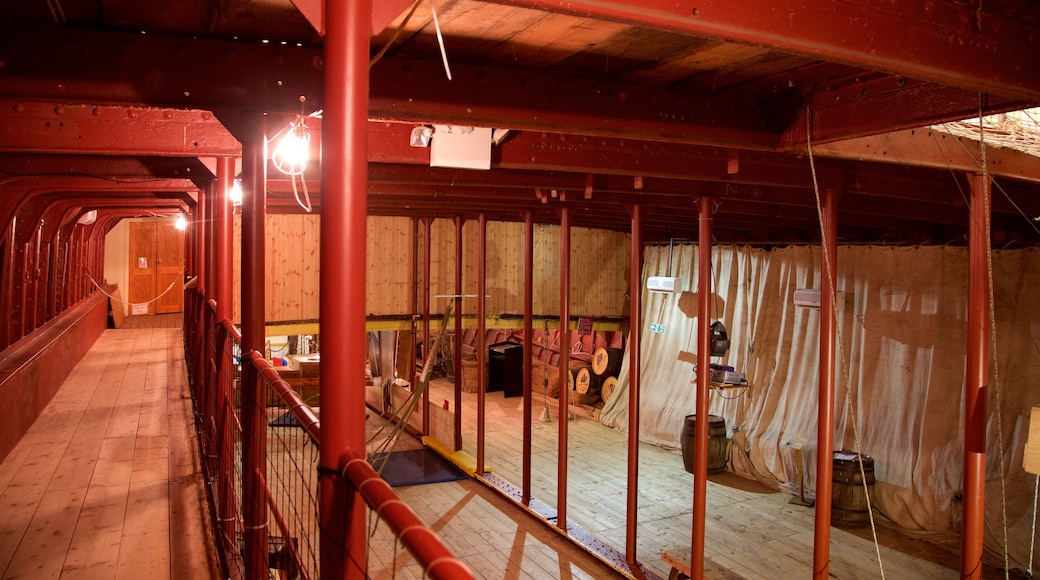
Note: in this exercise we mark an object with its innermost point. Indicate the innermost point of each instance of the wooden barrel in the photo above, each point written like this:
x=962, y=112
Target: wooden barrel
x=586, y=386
x=606, y=391
x=586, y=382
x=848, y=494
x=606, y=361
x=718, y=445
x=572, y=374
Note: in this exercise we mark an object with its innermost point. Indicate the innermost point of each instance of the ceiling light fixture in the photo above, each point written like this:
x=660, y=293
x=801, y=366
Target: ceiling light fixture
x=421, y=136
x=292, y=152
x=235, y=193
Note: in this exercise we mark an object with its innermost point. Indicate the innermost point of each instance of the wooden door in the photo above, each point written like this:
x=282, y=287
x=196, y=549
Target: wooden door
x=156, y=260
x=169, y=259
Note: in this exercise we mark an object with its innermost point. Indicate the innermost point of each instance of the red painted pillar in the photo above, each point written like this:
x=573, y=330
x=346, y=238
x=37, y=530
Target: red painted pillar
x=254, y=423
x=457, y=357
x=976, y=380
x=481, y=336
x=427, y=343
x=700, y=470
x=525, y=491
x=565, y=362
x=223, y=238
x=825, y=421
x=221, y=290
x=344, y=173
x=635, y=325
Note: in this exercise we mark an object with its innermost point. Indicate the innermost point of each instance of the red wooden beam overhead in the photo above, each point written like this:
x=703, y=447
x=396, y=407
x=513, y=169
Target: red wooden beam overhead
x=967, y=46
x=69, y=65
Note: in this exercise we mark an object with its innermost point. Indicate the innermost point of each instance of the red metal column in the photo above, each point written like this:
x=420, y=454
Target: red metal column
x=7, y=277
x=254, y=423
x=413, y=301
x=481, y=336
x=223, y=242
x=221, y=290
x=635, y=321
x=457, y=357
x=700, y=470
x=203, y=224
x=525, y=491
x=976, y=381
x=344, y=175
x=825, y=422
x=427, y=343
x=565, y=363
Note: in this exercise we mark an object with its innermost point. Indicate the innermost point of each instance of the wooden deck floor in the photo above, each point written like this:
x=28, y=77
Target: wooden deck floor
x=752, y=531
x=106, y=483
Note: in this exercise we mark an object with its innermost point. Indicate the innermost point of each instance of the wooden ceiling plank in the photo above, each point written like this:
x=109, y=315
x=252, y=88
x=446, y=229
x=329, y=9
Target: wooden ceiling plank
x=962, y=46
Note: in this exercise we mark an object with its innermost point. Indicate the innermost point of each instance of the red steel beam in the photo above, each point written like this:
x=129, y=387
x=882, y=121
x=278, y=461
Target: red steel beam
x=254, y=423
x=224, y=245
x=525, y=455
x=457, y=350
x=825, y=422
x=427, y=341
x=975, y=48
x=481, y=335
x=344, y=542
x=112, y=130
x=49, y=63
x=976, y=381
x=565, y=361
x=635, y=322
x=700, y=469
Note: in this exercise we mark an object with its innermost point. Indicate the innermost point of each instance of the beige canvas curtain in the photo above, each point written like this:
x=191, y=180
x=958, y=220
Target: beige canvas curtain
x=901, y=366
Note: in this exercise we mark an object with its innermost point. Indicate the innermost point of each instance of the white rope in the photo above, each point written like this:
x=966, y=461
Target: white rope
x=102, y=290
x=993, y=335
x=841, y=346
x=440, y=39
x=1032, y=530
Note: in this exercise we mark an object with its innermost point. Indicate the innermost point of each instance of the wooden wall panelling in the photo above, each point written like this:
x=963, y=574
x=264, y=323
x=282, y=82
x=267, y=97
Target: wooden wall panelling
x=599, y=272
x=291, y=279
x=546, y=297
x=389, y=264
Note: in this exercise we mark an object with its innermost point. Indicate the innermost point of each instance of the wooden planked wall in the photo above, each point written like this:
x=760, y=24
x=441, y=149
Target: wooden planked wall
x=599, y=267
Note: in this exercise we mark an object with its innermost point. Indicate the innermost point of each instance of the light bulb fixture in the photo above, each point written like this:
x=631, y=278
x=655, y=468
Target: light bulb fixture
x=421, y=136
x=235, y=193
x=292, y=152
x=291, y=155
x=181, y=224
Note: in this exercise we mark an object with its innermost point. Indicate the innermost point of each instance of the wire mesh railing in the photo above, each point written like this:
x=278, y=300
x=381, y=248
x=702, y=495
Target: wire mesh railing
x=286, y=477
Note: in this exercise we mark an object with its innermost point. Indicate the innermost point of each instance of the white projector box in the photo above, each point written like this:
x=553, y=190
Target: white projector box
x=662, y=284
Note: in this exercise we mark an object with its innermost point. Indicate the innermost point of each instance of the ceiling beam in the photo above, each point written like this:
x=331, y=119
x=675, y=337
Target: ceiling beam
x=935, y=149
x=28, y=126
x=78, y=66
x=960, y=45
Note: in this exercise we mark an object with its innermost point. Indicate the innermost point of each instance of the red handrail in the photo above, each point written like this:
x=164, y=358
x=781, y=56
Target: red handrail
x=301, y=410
x=437, y=561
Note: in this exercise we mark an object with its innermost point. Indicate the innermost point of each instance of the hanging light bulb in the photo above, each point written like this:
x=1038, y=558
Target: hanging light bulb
x=235, y=194
x=181, y=223
x=291, y=155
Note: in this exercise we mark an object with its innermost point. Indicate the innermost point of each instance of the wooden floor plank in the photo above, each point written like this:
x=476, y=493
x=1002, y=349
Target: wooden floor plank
x=96, y=485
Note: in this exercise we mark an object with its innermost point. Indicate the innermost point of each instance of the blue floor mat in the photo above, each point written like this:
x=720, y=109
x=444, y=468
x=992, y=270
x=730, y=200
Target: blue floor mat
x=414, y=467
